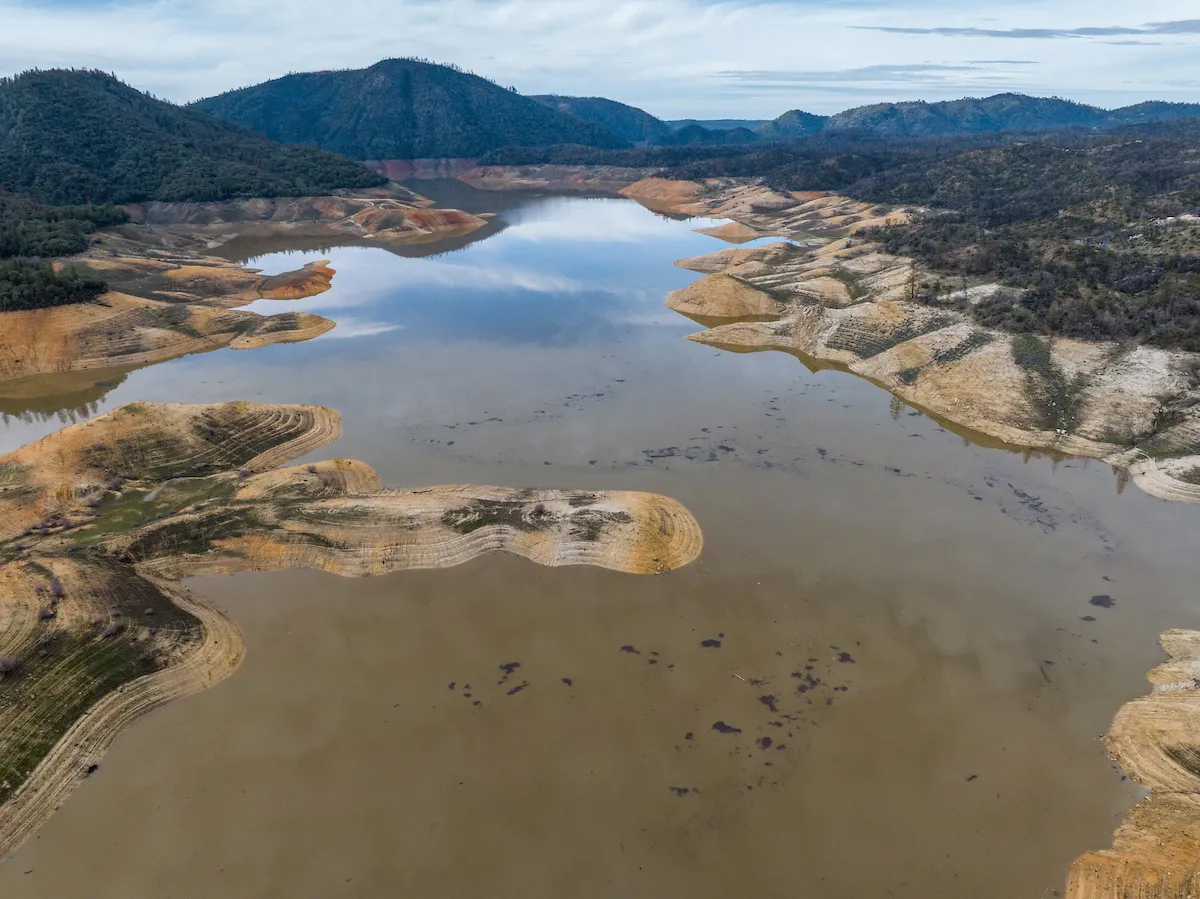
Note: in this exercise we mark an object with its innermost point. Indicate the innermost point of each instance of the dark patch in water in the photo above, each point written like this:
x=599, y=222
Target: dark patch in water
x=1103, y=600
x=764, y=742
x=628, y=648
x=845, y=657
x=567, y=681
x=769, y=701
x=723, y=728
x=680, y=791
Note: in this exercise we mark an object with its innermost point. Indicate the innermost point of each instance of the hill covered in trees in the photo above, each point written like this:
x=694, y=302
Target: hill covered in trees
x=73, y=143
x=793, y=124
x=401, y=109
x=1094, y=235
x=1001, y=112
x=30, y=233
x=70, y=137
x=636, y=126
x=1091, y=234
x=1097, y=234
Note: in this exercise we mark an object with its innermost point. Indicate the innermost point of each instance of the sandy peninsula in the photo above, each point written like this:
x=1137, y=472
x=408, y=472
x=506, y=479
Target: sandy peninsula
x=169, y=295
x=99, y=521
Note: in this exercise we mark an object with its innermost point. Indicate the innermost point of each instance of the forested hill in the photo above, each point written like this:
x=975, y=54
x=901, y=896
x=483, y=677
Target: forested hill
x=627, y=122
x=73, y=136
x=402, y=109
x=1002, y=112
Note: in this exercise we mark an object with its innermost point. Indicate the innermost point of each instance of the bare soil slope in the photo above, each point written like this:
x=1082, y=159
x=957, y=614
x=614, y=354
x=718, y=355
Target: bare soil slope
x=836, y=297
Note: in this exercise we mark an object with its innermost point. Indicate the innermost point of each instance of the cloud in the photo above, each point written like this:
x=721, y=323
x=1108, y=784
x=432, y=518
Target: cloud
x=1182, y=26
x=670, y=57
x=917, y=73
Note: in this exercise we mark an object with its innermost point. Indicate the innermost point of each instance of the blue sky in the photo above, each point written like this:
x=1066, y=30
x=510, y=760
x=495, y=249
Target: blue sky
x=675, y=58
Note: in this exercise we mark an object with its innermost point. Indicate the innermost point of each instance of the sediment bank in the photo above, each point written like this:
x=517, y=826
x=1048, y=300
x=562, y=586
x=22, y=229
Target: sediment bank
x=1156, y=741
x=168, y=296
x=829, y=293
x=100, y=520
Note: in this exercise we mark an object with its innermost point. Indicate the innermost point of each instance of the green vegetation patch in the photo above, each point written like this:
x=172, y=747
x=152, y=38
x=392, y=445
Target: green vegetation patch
x=156, y=455
x=192, y=534
x=851, y=280
x=868, y=342
x=589, y=524
x=487, y=512
x=1056, y=397
x=62, y=675
x=128, y=510
x=1187, y=757
x=973, y=341
x=34, y=284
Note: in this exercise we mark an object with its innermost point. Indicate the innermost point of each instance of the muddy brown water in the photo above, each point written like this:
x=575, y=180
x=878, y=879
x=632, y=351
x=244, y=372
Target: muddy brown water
x=911, y=675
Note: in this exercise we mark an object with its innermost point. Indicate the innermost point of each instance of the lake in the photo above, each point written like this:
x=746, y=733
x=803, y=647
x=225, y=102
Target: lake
x=885, y=676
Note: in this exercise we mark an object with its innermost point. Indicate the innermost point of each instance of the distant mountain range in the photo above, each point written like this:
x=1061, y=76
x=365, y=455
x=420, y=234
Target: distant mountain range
x=1002, y=112
x=410, y=109
x=402, y=109
x=718, y=124
x=72, y=136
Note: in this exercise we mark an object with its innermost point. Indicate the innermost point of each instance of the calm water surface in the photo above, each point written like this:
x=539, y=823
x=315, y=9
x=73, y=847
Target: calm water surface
x=910, y=677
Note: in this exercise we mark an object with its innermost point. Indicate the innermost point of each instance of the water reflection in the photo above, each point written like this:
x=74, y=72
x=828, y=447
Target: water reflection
x=836, y=517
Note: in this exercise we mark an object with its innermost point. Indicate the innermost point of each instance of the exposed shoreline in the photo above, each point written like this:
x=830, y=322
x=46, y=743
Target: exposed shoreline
x=169, y=296
x=831, y=295
x=1155, y=739
x=100, y=521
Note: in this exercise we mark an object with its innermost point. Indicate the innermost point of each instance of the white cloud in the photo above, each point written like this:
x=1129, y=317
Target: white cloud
x=664, y=55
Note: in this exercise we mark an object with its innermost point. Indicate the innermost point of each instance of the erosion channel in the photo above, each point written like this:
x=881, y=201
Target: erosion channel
x=887, y=674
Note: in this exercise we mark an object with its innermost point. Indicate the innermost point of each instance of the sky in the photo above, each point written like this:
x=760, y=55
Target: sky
x=674, y=58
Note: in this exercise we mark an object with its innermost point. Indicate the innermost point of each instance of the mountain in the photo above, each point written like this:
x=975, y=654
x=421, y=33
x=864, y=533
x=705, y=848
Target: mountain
x=796, y=123
x=718, y=124
x=1002, y=112
x=401, y=109
x=72, y=136
x=696, y=136
x=627, y=122
x=1154, y=111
